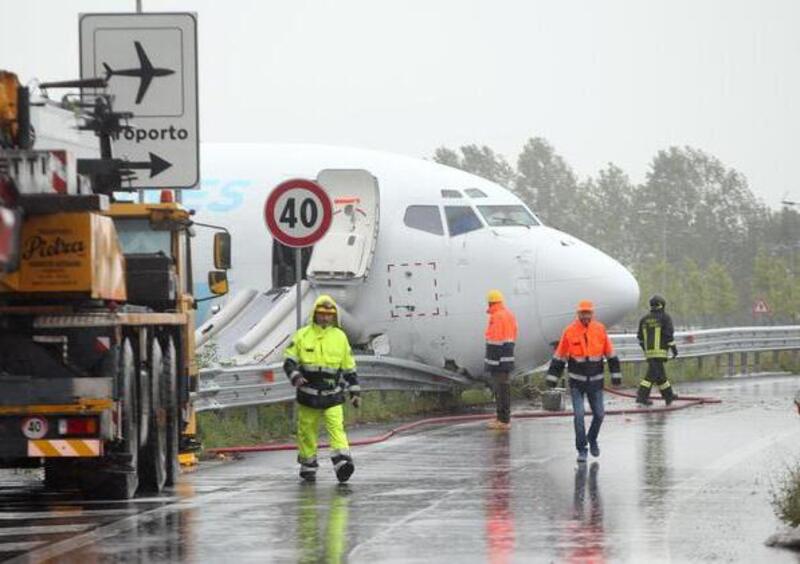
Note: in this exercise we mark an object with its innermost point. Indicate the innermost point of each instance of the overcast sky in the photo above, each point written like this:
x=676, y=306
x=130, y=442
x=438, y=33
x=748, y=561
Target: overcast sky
x=602, y=80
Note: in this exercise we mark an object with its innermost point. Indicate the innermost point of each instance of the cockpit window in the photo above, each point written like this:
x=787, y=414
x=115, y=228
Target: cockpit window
x=475, y=193
x=424, y=218
x=451, y=194
x=461, y=219
x=497, y=216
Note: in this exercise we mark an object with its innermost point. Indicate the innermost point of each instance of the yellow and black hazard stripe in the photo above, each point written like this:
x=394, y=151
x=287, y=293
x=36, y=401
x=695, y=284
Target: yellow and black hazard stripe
x=65, y=448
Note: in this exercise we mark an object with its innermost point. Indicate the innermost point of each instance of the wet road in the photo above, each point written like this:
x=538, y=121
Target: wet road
x=693, y=485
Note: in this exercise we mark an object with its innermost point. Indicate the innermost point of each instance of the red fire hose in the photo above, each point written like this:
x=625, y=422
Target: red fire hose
x=682, y=403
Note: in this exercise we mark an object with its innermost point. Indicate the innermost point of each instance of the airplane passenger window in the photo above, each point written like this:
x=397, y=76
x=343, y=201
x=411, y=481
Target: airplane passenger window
x=451, y=194
x=424, y=218
x=475, y=193
x=497, y=216
x=461, y=219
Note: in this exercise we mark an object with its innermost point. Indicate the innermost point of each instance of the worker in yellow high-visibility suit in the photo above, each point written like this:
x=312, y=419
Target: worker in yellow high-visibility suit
x=320, y=364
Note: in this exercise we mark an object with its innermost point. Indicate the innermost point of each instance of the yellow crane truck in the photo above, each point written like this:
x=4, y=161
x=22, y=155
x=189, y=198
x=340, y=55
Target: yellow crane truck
x=96, y=306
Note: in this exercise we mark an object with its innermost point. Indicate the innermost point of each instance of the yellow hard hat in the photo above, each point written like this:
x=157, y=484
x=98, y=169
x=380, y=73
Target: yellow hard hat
x=494, y=296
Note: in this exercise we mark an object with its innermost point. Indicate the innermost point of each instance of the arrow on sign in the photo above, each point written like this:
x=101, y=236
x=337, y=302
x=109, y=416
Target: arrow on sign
x=156, y=164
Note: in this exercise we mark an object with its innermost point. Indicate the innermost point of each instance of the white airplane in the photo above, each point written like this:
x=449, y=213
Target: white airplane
x=411, y=253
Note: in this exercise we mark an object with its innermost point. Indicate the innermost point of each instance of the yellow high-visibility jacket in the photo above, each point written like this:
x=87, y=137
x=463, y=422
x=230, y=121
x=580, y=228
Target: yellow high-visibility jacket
x=322, y=356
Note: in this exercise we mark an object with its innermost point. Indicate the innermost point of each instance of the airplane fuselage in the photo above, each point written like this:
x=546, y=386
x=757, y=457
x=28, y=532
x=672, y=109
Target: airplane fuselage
x=438, y=250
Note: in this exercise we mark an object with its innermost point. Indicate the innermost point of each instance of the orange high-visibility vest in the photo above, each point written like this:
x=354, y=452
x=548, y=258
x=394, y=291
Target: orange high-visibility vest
x=501, y=334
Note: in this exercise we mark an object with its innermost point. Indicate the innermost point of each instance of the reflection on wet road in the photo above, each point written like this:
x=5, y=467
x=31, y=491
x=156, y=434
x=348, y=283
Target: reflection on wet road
x=688, y=486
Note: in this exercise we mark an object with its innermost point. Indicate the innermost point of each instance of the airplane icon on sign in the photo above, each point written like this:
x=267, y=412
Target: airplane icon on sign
x=145, y=72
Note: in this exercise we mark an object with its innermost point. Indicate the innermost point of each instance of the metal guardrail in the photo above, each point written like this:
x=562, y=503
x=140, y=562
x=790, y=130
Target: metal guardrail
x=243, y=386
x=712, y=342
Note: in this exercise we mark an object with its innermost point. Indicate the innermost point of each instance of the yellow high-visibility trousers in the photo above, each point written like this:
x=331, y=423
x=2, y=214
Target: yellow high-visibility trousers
x=308, y=419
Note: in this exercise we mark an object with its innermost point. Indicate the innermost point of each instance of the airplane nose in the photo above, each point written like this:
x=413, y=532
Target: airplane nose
x=569, y=270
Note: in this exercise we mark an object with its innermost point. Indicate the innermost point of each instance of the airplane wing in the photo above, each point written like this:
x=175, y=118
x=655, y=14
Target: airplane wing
x=144, y=62
x=144, y=83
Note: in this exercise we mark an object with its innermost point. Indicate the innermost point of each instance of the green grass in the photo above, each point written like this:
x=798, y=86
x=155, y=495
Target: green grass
x=786, y=497
x=272, y=423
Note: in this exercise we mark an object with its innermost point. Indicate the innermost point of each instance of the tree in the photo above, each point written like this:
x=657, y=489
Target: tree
x=548, y=185
x=722, y=299
x=480, y=161
x=610, y=196
x=695, y=293
x=448, y=157
x=773, y=282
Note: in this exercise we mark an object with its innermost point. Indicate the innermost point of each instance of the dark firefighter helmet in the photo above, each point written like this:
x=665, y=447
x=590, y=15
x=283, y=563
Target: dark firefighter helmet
x=657, y=302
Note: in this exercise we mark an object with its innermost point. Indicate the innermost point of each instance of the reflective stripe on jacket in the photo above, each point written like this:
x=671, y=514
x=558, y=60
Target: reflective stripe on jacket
x=656, y=334
x=582, y=349
x=501, y=334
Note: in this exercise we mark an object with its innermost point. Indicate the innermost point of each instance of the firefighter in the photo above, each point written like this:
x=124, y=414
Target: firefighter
x=581, y=349
x=501, y=334
x=656, y=336
x=319, y=363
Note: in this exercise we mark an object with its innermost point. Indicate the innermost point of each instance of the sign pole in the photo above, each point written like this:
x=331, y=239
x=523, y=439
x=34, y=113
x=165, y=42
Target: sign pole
x=298, y=265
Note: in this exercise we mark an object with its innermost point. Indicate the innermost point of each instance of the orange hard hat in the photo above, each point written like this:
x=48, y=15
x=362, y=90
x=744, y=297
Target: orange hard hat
x=585, y=305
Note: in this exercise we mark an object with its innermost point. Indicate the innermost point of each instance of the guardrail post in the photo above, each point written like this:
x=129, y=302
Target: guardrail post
x=757, y=361
x=743, y=364
x=718, y=365
x=776, y=360
x=291, y=414
x=252, y=418
x=731, y=364
x=700, y=366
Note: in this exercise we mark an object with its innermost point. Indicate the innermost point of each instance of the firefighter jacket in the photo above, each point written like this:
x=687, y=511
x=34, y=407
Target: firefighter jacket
x=322, y=356
x=581, y=349
x=501, y=334
x=656, y=334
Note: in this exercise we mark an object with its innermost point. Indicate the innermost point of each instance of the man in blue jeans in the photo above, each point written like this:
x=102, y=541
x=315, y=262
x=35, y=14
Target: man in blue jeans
x=582, y=347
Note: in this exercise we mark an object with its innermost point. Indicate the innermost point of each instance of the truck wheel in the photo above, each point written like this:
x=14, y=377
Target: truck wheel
x=172, y=406
x=153, y=455
x=144, y=391
x=115, y=476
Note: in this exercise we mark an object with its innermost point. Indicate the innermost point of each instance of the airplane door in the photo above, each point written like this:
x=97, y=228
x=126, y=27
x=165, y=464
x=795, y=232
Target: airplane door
x=414, y=290
x=345, y=253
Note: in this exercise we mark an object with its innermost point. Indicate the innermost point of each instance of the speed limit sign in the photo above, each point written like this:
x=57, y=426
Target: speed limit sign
x=34, y=427
x=298, y=212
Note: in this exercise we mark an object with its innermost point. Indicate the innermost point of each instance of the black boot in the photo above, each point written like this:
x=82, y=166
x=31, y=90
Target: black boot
x=343, y=466
x=643, y=395
x=308, y=470
x=668, y=394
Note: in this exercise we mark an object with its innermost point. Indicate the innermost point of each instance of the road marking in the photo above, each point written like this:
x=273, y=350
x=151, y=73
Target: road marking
x=708, y=474
x=44, y=529
x=19, y=546
x=57, y=549
x=63, y=514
